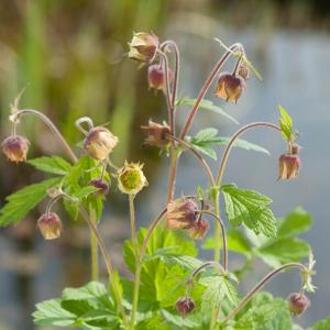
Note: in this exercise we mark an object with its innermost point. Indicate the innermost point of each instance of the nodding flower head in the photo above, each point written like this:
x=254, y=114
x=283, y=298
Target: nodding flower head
x=50, y=226
x=156, y=76
x=182, y=213
x=143, y=47
x=157, y=134
x=298, y=303
x=100, y=142
x=131, y=178
x=199, y=229
x=101, y=186
x=289, y=164
x=15, y=148
x=230, y=87
x=185, y=305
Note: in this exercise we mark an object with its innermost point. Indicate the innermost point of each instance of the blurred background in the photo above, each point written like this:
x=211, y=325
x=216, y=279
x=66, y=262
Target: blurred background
x=71, y=57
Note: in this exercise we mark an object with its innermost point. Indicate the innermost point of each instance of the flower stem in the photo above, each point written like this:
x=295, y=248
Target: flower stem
x=94, y=248
x=18, y=113
x=132, y=222
x=175, y=155
x=199, y=157
x=232, y=140
x=206, y=86
x=139, y=264
x=262, y=282
x=223, y=236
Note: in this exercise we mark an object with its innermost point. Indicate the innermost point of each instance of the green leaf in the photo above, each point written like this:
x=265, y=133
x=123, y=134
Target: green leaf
x=218, y=288
x=53, y=165
x=284, y=251
x=50, y=312
x=265, y=312
x=205, y=140
x=286, y=124
x=322, y=325
x=179, y=321
x=207, y=105
x=295, y=223
x=21, y=202
x=251, y=208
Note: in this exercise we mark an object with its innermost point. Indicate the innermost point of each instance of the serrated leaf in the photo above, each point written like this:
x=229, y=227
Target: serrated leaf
x=218, y=287
x=265, y=312
x=21, y=202
x=251, y=208
x=205, y=140
x=179, y=321
x=207, y=105
x=286, y=123
x=50, y=312
x=52, y=164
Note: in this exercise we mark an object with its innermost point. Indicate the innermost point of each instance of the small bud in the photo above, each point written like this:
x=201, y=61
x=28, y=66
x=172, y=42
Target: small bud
x=230, y=87
x=100, y=142
x=244, y=71
x=143, y=47
x=131, y=179
x=157, y=134
x=199, y=229
x=289, y=164
x=182, y=213
x=298, y=303
x=156, y=76
x=185, y=305
x=50, y=226
x=102, y=186
x=15, y=148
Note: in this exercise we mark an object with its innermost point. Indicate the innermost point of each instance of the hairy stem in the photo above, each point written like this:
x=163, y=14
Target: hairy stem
x=172, y=173
x=199, y=157
x=262, y=282
x=206, y=86
x=18, y=113
x=94, y=248
x=232, y=140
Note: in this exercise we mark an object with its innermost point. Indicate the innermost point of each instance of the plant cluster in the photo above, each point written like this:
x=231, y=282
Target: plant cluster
x=170, y=287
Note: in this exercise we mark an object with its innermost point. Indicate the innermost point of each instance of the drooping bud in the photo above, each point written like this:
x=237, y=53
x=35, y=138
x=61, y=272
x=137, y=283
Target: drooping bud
x=199, y=229
x=182, y=213
x=50, y=226
x=156, y=76
x=230, y=87
x=185, y=305
x=143, y=47
x=15, y=148
x=289, y=164
x=131, y=179
x=157, y=134
x=100, y=142
x=102, y=186
x=298, y=303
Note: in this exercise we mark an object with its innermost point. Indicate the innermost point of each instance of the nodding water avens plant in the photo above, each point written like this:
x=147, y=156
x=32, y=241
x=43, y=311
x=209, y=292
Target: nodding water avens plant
x=170, y=287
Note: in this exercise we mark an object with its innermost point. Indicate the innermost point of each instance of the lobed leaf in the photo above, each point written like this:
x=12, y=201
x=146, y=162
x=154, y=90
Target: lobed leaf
x=52, y=164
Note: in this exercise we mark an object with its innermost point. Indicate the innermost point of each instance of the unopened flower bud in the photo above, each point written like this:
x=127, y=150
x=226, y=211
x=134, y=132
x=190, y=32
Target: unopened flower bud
x=131, y=179
x=199, y=229
x=157, y=134
x=102, y=186
x=244, y=71
x=156, y=76
x=230, y=87
x=15, y=148
x=100, y=142
x=289, y=164
x=182, y=213
x=50, y=226
x=298, y=303
x=143, y=47
x=185, y=305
